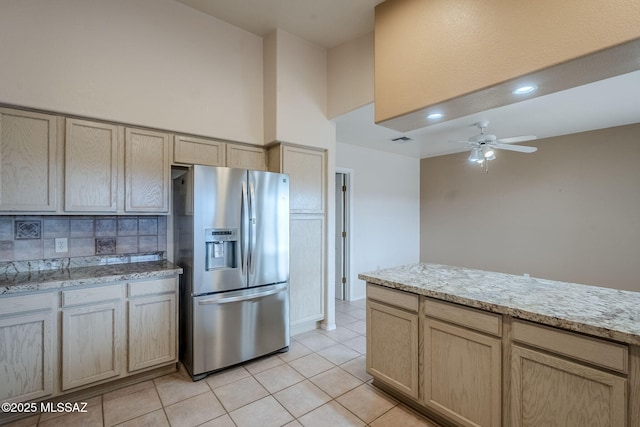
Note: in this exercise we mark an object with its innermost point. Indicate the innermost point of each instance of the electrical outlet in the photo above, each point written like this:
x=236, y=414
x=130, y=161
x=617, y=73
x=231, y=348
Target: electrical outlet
x=61, y=244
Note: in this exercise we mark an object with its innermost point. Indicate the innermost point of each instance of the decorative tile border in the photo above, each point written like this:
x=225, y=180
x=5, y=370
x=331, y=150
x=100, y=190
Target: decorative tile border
x=105, y=246
x=28, y=229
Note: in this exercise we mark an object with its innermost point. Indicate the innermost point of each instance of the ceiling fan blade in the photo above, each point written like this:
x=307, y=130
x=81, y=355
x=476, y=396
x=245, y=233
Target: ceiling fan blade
x=518, y=148
x=515, y=139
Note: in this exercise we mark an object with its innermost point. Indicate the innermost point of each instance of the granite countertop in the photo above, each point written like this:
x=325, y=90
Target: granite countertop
x=603, y=312
x=16, y=282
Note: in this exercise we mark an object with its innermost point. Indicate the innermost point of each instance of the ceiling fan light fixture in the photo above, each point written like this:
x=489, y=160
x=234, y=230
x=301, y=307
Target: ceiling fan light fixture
x=525, y=89
x=489, y=153
x=476, y=155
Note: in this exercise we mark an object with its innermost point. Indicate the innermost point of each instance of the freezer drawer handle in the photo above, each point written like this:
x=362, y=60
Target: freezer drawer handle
x=242, y=297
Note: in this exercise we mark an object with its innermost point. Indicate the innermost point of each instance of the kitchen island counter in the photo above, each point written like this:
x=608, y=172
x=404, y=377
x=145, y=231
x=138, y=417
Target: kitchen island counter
x=602, y=312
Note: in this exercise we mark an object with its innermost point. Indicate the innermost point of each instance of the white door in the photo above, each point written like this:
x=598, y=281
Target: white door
x=341, y=235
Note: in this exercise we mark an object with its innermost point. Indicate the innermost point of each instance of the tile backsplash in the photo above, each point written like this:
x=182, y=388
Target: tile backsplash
x=33, y=237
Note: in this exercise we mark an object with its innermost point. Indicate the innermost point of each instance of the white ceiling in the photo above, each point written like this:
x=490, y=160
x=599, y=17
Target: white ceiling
x=328, y=23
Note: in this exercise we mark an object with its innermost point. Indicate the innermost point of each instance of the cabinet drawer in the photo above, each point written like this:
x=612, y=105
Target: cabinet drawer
x=25, y=303
x=152, y=287
x=592, y=350
x=91, y=295
x=393, y=297
x=482, y=321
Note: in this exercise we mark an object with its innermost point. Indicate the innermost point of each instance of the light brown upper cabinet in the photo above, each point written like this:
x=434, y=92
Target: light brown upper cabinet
x=246, y=157
x=91, y=167
x=28, y=161
x=198, y=151
x=147, y=171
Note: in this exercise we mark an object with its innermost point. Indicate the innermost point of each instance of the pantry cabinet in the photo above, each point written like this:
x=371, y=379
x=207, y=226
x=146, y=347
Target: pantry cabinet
x=307, y=177
x=28, y=340
x=28, y=161
x=306, y=167
x=306, y=269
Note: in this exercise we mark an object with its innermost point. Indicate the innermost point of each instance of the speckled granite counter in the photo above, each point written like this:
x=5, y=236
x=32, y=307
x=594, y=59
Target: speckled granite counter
x=602, y=312
x=16, y=282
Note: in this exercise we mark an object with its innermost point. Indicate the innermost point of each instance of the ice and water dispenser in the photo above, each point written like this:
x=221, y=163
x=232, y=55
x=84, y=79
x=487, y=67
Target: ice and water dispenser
x=220, y=248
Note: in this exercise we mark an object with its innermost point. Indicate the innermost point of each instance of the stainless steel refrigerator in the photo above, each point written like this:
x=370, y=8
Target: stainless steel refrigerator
x=232, y=241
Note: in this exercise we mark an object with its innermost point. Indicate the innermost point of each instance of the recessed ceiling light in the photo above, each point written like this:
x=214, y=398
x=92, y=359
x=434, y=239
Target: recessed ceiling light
x=525, y=89
x=435, y=116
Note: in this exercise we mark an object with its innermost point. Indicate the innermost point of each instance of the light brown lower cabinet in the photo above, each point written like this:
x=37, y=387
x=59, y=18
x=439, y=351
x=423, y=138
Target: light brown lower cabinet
x=470, y=366
x=27, y=347
x=554, y=392
x=462, y=374
x=392, y=346
x=93, y=331
x=98, y=329
x=152, y=325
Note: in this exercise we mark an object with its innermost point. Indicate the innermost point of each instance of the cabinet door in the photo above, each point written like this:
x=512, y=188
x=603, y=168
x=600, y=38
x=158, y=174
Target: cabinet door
x=28, y=164
x=147, y=171
x=462, y=374
x=152, y=331
x=306, y=170
x=306, y=269
x=554, y=392
x=91, y=167
x=245, y=157
x=392, y=347
x=26, y=355
x=198, y=151
x=91, y=343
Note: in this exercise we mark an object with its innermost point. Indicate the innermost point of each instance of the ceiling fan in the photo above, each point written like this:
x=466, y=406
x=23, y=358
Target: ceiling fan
x=483, y=146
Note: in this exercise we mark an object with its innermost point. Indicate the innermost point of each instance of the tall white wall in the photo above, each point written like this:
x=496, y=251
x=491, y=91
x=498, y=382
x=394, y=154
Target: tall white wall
x=300, y=91
x=155, y=63
x=350, y=74
x=385, y=195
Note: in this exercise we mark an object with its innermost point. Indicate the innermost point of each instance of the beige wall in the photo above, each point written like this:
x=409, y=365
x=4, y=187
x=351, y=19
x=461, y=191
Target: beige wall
x=350, y=76
x=430, y=51
x=569, y=212
x=155, y=63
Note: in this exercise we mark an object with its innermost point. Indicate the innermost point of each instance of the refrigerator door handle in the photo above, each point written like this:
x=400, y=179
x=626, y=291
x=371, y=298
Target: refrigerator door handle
x=252, y=222
x=245, y=297
x=244, y=228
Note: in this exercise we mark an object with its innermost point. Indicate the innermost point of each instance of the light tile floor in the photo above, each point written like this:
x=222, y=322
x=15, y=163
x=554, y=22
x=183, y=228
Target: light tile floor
x=320, y=382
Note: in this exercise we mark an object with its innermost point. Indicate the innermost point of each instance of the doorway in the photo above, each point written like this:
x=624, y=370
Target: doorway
x=343, y=233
